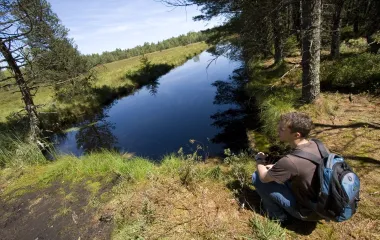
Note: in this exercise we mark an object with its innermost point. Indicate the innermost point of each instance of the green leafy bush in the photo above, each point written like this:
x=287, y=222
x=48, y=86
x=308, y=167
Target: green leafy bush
x=355, y=73
x=241, y=165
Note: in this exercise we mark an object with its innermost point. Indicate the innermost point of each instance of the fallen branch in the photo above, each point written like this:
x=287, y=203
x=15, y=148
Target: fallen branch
x=294, y=67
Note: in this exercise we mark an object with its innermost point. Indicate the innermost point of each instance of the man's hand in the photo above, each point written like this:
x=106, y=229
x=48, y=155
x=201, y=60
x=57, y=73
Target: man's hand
x=269, y=166
x=262, y=168
x=260, y=157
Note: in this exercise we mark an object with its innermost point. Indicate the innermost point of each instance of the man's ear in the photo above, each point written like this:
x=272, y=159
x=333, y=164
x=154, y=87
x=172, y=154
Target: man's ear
x=297, y=135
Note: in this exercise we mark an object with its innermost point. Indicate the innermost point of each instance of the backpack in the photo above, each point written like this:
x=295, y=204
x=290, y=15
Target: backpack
x=339, y=186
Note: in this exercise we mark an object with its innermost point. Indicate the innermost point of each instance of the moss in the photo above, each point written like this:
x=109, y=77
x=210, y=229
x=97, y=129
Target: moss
x=93, y=187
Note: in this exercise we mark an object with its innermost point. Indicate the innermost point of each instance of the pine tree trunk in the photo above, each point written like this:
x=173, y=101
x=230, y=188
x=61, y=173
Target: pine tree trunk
x=278, y=26
x=311, y=44
x=34, y=121
x=296, y=16
x=356, y=27
x=336, y=25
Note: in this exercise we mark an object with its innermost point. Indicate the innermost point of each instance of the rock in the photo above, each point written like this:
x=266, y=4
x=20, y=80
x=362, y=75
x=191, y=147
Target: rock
x=106, y=217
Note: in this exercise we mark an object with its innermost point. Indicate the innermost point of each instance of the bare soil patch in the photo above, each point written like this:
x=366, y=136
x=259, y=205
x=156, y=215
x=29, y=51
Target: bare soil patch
x=61, y=211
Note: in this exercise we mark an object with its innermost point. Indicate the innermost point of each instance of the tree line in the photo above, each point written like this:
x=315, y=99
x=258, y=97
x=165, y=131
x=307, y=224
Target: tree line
x=260, y=29
x=119, y=54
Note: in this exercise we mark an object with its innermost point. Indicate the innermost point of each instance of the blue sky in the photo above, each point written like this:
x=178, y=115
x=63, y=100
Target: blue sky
x=98, y=26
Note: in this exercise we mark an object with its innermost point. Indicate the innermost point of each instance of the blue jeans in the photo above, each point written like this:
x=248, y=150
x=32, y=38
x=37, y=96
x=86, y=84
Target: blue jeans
x=278, y=199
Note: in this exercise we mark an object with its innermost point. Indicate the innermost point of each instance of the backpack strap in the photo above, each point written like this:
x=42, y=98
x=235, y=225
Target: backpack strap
x=308, y=156
x=322, y=149
x=312, y=157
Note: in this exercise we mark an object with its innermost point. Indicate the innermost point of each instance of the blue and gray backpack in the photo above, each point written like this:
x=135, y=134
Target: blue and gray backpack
x=339, y=185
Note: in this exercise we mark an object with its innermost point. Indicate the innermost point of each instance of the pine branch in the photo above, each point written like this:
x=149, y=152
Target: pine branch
x=176, y=3
x=5, y=79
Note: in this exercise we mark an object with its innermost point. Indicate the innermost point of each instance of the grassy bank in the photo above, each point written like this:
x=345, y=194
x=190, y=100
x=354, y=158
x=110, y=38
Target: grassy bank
x=127, y=197
x=112, y=81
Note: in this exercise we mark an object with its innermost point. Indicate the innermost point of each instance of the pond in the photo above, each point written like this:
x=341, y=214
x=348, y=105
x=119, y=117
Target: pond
x=181, y=110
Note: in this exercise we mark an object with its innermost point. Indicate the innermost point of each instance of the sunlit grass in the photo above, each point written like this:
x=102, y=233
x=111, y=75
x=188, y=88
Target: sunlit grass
x=265, y=229
x=114, y=74
x=73, y=169
x=11, y=102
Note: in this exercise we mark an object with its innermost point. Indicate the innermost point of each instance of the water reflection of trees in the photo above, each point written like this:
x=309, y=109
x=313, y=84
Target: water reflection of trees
x=96, y=136
x=196, y=58
x=234, y=121
x=153, y=87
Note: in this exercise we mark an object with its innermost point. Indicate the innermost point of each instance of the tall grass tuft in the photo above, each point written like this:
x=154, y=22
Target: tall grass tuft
x=171, y=165
x=273, y=97
x=265, y=229
x=104, y=163
x=15, y=152
x=272, y=108
x=272, y=102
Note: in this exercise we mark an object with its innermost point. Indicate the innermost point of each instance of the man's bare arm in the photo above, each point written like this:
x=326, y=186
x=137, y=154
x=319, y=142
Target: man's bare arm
x=263, y=169
x=263, y=172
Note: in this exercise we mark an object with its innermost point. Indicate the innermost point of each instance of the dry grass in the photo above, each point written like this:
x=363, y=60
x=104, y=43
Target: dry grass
x=169, y=210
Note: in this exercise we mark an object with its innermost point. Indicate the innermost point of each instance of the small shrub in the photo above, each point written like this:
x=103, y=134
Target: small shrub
x=358, y=45
x=215, y=173
x=148, y=212
x=131, y=230
x=242, y=167
x=355, y=74
x=187, y=173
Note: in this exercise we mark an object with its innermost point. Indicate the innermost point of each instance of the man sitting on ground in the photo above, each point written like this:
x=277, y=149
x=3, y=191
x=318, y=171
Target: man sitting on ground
x=290, y=185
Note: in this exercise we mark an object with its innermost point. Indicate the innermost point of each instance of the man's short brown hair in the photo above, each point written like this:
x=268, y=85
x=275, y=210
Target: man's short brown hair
x=297, y=122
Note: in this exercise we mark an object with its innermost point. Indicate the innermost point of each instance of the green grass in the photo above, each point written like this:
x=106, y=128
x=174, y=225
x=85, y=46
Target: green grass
x=135, y=176
x=11, y=102
x=170, y=165
x=72, y=169
x=113, y=74
x=20, y=176
x=14, y=151
x=265, y=229
x=111, y=82
x=272, y=97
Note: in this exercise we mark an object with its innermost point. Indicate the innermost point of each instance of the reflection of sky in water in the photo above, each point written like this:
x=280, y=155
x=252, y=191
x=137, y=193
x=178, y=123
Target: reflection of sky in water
x=153, y=125
x=69, y=144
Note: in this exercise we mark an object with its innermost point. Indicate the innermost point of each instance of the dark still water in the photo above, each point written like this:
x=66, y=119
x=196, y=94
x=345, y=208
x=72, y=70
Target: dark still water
x=160, y=119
